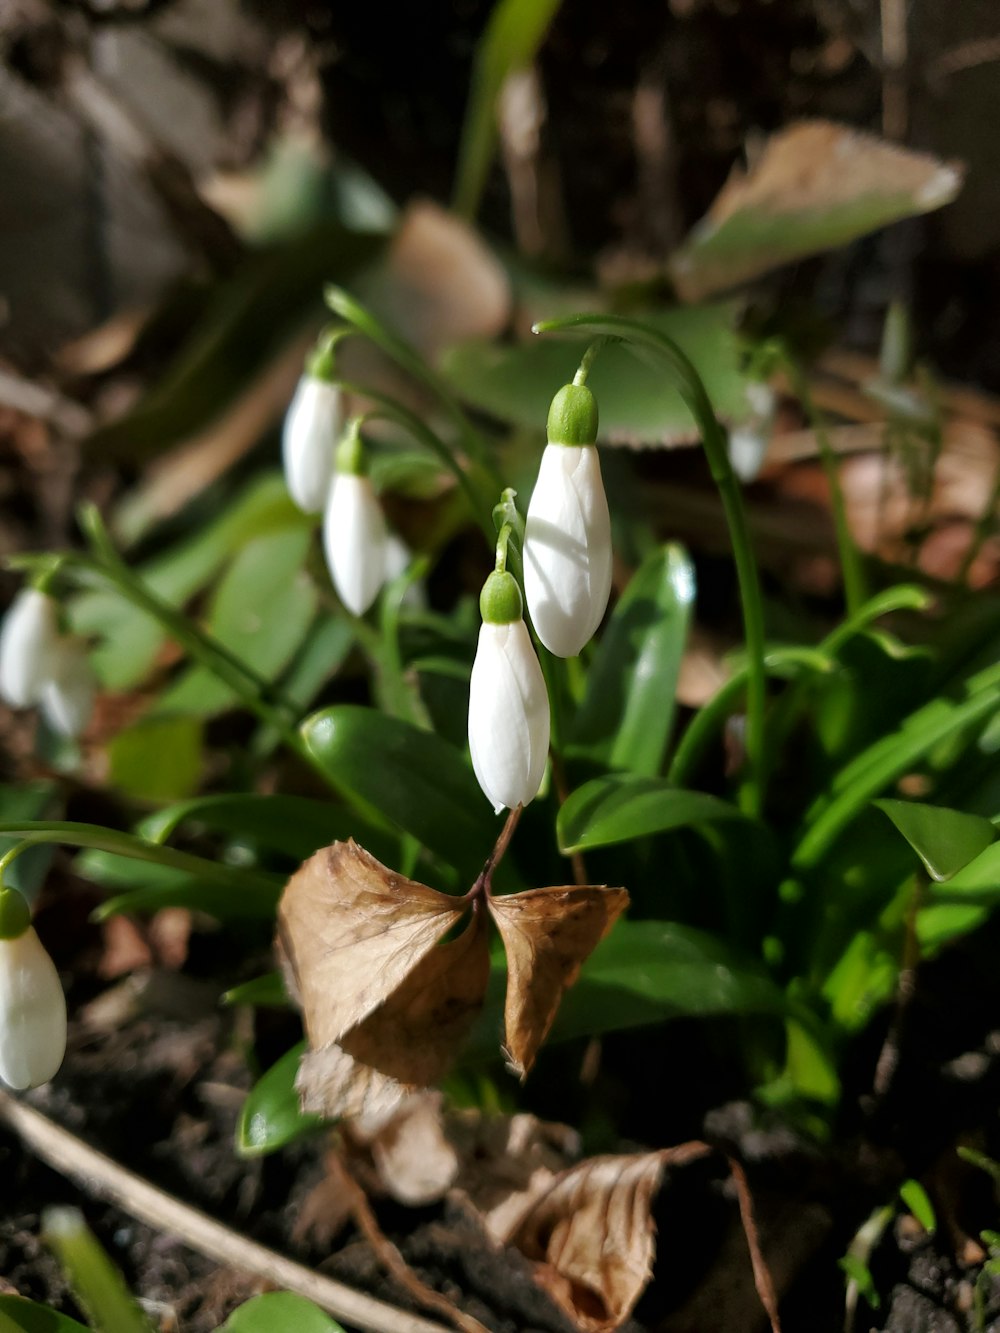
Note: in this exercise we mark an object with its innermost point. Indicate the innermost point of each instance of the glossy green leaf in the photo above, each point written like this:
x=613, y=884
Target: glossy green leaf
x=915, y=1197
x=414, y=779
x=261, y=612
x=18, y=1313
x=979, y=881
x=143, y=886
x=620, y=807
x=513, y=35
x=157, y=759
x=627, y=714
x=945, y=840
x=279, y=1312
x=295, y=825
x=638, y=403
x=249, y=317
x=129, y=639
x=813, y=186
x=266, y=992
x=270, y=1117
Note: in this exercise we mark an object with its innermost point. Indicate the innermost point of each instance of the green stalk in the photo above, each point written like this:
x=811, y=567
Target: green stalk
x=851, y=564
x=96, y=1282
x=692, y=390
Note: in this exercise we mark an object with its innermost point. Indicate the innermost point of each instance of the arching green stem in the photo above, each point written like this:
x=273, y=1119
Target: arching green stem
x=691, y=388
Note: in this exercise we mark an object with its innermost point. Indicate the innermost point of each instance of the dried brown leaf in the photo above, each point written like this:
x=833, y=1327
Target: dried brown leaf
x=592, y=1235
x=351, y=932
x=547, y=934
x=410, y=1040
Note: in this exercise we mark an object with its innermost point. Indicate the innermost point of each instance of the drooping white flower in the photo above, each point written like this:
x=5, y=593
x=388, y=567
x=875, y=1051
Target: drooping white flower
x=749, y=438
x=312, y=427
x=508, y=702
x=28, y=645
x=32, y=1004
x=67, y=696
x=567, y=539
x=355, y=536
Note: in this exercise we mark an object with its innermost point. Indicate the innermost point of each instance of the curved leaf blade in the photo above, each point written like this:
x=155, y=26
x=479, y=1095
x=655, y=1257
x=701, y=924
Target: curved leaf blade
x=945, y=840
x=279, y=1312
x=621, y=807
x=270, y=1117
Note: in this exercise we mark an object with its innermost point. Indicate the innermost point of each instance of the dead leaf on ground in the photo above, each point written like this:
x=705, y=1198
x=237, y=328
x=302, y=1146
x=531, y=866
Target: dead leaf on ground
x=591, y=1232
x=814, y=186
x=547, y=935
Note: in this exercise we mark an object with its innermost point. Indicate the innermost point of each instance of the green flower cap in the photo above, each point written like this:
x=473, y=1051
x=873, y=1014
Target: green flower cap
x=573, y=416
x=15, y=914
x=352, y=456
x=319, y=362
x=500, y=600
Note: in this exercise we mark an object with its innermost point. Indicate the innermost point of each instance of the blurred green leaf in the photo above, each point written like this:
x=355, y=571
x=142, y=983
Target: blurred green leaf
x=628, y=711
x=638, y=404
x=248, y=319
x=620, y=807
x=812, y=187
x=270, y=1117
x=279, y=1312
x=266, y=992
x=945, y=840
x=27, y=801
x=319, y=659
x=413, y=778
x=143, y=886
x=129, y=639
x=157, y=759
x=515, y=31
x=915, y=1197
x=261, y=612
x=28, y=1317
x=95, y=1281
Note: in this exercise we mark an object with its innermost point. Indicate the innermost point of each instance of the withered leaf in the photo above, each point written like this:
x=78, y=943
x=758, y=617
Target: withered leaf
x=351, y=931
x=592, y=1235
x=410, y=1040
x=547, y=935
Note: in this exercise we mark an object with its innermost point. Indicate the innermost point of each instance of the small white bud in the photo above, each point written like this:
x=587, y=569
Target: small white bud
x=312, y=427
x=28, y=646
x=32, y=1013
x=567, y=548
x=67, y=696
x=355, y=539
x=508, y=715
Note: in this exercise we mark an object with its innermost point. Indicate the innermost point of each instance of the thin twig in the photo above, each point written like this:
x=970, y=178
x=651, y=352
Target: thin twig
x=100, y=1175
x=761, y=1273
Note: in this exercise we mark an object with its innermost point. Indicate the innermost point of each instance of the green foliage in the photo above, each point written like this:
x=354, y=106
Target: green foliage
x=270, y=1117
x=279, y=1312
x=18, y=1313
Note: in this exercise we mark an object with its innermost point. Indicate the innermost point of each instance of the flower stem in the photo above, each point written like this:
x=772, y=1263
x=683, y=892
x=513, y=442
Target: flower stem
x=692, y=389
x=484, y=880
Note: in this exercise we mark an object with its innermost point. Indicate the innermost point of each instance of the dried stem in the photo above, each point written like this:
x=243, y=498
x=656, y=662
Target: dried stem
x=484, y=881
x=761, y=1273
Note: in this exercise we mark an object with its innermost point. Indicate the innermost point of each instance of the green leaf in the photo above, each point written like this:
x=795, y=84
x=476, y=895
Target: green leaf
x=979, y=880
x=515, y=31
x=265, y=992
x=294, y=825
x=813, y=186
x=96, y=1282
x=915, y=1197
x=143, y=886
x=620, y=807
x=157, y=759
x=413, y=778
x=945, y=840
x=628, y=711
x=261, y=612
x=860, y=1274
x=279, y=1312
x=19, y=803
x=319, y=659
x=26, y=1316
x=270, y=1117
x=639, y=404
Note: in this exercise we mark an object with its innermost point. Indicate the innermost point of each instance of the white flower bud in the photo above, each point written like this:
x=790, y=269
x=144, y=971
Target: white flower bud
x=32, y=1013
x=355, y=538
x=313, y=424
x=67, y=697
x=567, y=548
x=28, y=646
x=508, y=704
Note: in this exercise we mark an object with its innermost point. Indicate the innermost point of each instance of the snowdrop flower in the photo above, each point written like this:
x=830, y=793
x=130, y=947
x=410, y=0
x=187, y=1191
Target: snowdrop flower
x=32, y=1004
x=508, y=702
x=312, y=427
x=748, y=441
x=67, y=696
x=28, y=644
x=567, y=540
x=355, y=536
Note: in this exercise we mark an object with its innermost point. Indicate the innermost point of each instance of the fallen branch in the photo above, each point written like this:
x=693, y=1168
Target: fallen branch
x=71, y=1157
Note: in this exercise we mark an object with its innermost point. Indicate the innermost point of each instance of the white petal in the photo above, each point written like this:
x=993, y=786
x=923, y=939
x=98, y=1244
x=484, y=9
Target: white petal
x=32, y=1013
x=67, y=698
x=28, y=644
x=567, y=548
x=747, y=450
x=354, y=538
x=313, y=424
x=508, y=716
